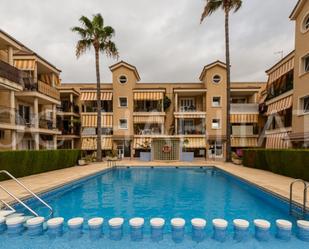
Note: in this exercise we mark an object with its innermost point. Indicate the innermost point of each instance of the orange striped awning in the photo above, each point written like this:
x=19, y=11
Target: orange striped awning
x=244, y=142
x=148, y=119
x=90, y=143
x=148, y=95
x=280, y=71
x=195, y=143
x=27, y=65
x=92, y=96
x=280, y=105
x=278, y=141
x=244, y=118
x=90, y=120
x=141, y=142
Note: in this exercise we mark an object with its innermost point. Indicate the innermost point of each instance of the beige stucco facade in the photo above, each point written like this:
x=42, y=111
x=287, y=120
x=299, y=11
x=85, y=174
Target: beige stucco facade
x=197, y=112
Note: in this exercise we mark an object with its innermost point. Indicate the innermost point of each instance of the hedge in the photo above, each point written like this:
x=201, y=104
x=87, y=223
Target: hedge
x=24, y=163
x=289, y=162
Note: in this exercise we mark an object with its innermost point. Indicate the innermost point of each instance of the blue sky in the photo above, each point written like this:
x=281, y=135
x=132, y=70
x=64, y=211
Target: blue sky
x=162, y=38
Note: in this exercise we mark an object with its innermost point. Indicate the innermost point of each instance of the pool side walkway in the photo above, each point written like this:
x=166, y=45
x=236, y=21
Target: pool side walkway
x=47, y=181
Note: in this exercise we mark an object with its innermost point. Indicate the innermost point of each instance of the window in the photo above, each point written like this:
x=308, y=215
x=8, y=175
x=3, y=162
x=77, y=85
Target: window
x=305, y=26
x=186, y=126
x=123, y=124
x=2, y=134
x=216, y=79
x=215, y=124
x=24, y=114
x=304, y=104
x=215, y=149
x=123, y=79
x=216, y=101
x=187, y=105
x=305, y=62
x=123, y=102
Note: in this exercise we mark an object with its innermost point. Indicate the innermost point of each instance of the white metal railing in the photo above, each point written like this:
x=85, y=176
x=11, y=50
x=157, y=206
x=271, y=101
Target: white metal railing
x=28, y=190
x=306, y=187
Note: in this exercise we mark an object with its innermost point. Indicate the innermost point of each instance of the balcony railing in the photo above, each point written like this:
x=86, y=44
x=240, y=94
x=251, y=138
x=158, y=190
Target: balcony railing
x=67, y=108
x=41, y=87
x=11, y=73
x=244, y=108
x=46, y=124
x=6, y=114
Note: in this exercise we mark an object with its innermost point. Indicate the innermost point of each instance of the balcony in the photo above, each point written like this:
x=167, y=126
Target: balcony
x=10, y=73
x=148, y=129
x=41, y=87
x=30, y=121
x=244, y=108
x=68, y=108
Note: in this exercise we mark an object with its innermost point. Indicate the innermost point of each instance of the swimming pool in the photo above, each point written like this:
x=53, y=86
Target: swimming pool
x=159, y=192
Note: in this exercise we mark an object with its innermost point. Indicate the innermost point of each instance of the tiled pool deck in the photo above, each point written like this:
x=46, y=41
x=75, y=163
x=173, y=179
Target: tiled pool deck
x=47, y=181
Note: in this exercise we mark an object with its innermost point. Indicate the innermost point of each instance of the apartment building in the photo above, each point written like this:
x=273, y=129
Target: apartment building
x=190, y=117
x=287, y=97
x=28, y=98
x=299, y=136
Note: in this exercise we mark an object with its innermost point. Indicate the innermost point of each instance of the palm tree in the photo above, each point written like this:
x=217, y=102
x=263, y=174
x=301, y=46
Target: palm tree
x=94, y=34
x=227, y=6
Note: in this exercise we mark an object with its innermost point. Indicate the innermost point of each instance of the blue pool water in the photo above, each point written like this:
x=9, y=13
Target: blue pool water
x=160, y=192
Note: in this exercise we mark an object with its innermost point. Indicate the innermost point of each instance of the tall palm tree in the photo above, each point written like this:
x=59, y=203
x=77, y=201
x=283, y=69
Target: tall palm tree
x=94, y=34
x=227, y=6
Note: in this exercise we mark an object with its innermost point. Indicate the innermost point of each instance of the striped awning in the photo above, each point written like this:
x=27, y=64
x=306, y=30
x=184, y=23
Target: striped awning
x=148, y=119
x=148, y=95
x=90, y=143
x=90, y=120
x=92, y=96
x=244, y=118
x=280, y=105
x=280, y=71
x=195, y=143
x=27, y=65
x=141, y=142
x=278, y=141
x=244, y=142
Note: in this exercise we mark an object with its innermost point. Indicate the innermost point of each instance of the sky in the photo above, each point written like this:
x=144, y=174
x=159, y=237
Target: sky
x=163, y=38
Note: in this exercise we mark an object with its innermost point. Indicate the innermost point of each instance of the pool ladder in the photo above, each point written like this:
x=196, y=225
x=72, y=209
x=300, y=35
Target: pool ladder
x=4, y=172
x=303, y=209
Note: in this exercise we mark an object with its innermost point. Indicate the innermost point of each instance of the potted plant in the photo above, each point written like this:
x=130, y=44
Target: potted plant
x=112, y=155
x=237, y=157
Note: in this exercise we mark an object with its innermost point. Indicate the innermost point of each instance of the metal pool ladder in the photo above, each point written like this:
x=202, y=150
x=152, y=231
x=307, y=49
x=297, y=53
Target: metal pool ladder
x=4, y=172
x=303, y=208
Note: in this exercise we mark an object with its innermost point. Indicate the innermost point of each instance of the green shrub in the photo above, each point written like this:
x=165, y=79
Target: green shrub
x=24, y=163
x=289, y=162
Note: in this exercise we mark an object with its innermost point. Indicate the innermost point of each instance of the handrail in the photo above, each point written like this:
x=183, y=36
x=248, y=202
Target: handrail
x=17, y=199
x=306, y=186
x=51, y=211
x=7, y=205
